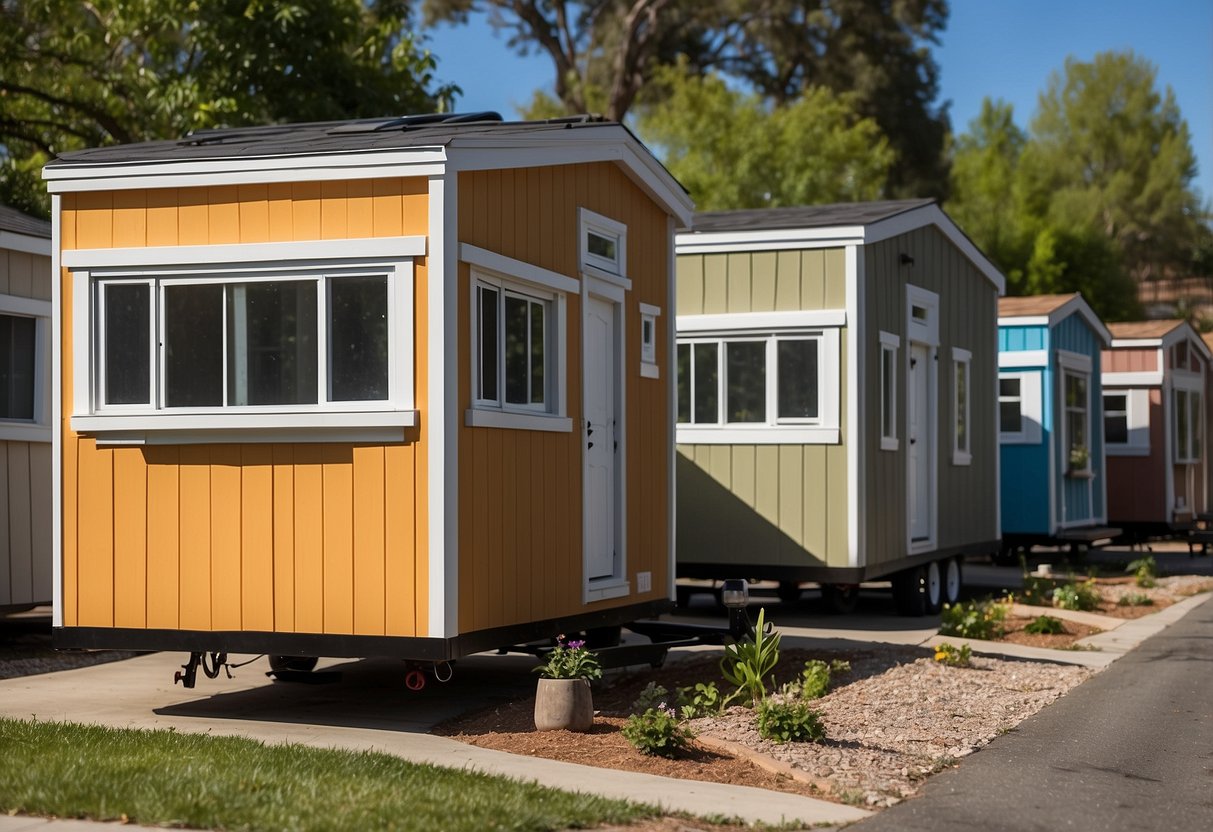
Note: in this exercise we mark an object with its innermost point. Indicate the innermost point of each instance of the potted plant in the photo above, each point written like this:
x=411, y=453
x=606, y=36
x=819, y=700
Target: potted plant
x=1080, y=458
x=562, y=698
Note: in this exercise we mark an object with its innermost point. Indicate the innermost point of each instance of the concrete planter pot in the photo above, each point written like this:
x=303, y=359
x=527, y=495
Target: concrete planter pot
x=563, y=704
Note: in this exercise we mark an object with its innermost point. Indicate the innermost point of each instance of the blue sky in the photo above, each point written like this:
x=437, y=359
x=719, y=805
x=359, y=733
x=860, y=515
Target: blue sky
x=990, y=48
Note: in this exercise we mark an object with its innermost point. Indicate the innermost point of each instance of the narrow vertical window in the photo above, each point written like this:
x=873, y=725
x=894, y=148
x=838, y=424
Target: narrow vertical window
x=17, y=366
x=127, y=343
x=961, y=442
x=487, y=369
x=193, y=345
x=684, y=383
x=705, y=364
x=1010, y=405
x=1116, y=418
x=1077, y=428
x=747, y=381
x=888, y=391
x=358, y=339
x=797, y=370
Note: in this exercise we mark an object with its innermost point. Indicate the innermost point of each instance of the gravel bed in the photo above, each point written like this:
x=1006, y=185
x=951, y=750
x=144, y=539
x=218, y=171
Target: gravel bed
x=25, y=650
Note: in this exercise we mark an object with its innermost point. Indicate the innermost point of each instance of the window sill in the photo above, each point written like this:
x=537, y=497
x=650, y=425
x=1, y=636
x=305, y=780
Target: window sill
x=649, y=370
x=1126, y=450
x=887, y=444
x=606, y=588
x=1081, y=475
x=961, y=458
x=483, y=418
x=24, y=432
x=210, y=428
x=758, y=435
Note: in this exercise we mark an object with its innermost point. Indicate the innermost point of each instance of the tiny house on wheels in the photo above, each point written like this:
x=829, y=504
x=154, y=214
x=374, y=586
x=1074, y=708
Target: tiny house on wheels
x=25, y=411
x=395, y=387
x=836, y=394
x=1051, y=431
x=1154, y=379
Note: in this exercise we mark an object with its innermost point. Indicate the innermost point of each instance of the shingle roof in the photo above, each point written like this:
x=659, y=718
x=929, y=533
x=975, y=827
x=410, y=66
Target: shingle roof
x=804, y=216
x=1032, y=305
x=1131, y=330
x=323, y=137
x=18, y=223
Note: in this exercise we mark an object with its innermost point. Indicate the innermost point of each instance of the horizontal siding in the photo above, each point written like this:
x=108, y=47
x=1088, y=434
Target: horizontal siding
x=316, y=538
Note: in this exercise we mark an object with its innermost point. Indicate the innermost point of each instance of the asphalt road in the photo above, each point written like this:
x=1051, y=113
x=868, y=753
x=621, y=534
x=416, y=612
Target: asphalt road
x=1130, y=749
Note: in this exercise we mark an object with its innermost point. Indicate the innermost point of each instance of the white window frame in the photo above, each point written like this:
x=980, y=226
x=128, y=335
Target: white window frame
x=1190, y=385
x=1066, y=372
x=37, y=429
x=1137, y=417
x=1030, y=409
x=890, y=346
x=516, y=276
x=648, y=346
x=774, y=430
x=962, y=361
x=325, y=421
x=614, y=270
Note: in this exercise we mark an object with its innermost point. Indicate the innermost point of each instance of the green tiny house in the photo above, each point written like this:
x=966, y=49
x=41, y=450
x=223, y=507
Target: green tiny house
x=837, y=398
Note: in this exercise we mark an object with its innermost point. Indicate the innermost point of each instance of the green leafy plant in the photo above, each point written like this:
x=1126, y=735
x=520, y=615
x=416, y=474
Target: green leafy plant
x=1135, y=599
x=652, y=696
x=815, y=678
x=974, y=619
x=1036, y=591
x=700, y=700
x=1077, y=596
x=570, y=660
x=954, y=656
x=657, y=731
x=748, y=662
x=1044, y=625
x=1145, y=571
x=789, y=720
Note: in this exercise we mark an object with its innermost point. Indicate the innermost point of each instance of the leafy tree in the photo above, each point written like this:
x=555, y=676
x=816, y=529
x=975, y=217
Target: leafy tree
x=83, y=74
x=606, y=54
x=732, y=150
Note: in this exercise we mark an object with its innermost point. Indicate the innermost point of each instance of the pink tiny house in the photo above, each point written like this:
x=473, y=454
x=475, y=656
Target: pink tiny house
x=1154, y=380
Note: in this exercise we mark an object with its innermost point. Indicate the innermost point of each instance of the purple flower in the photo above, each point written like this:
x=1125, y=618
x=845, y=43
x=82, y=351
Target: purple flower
x=576, y=645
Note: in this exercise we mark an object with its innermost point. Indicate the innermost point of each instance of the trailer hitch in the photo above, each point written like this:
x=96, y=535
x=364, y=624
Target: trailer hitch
x=188, y=675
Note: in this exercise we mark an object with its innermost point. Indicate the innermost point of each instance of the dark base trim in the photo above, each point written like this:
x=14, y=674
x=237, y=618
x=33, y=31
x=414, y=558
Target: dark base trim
x=758, y=571
x=346, y=646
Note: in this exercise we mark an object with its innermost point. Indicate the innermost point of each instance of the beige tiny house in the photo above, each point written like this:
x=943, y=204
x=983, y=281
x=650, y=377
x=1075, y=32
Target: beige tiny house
x=25, y=411
x=836, y=417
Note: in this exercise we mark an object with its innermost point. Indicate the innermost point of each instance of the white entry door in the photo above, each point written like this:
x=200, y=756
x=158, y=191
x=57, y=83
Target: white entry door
x=600, y=375
x=921, y=442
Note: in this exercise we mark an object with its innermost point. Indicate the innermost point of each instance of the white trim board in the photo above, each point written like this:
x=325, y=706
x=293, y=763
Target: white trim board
x=26, y=243
x=761, y=321
x=517, y=269
x=216, y=255
x=1023, y=358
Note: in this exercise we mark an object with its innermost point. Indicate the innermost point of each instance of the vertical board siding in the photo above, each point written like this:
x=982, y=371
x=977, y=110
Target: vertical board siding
x=1137, y=484
x=778, y=505
x=289, y=538
x=25, y=468
x=966, y=498
x=520, y=492
x=1126, y=360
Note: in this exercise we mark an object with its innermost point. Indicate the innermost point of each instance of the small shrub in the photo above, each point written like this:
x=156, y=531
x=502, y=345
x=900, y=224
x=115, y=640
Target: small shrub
x=954, y=656
x=748, y=662
x=1076, y=596
x=570, y=660
x=652, y=696
x=657, y=731
x=1037, y=592
x=1135, y=599
x=815, y=678
x=1145, y=571
x=700, y=700
x=1045, y=625
x=789, y=720
x=975, y=619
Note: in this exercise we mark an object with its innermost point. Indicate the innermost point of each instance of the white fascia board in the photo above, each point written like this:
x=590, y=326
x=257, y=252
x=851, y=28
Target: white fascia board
x=1136, y=343
x=1147, y=378
x=1024, y=320
x=1023, y=358
x=153, y=256
x=517, y=269
x=934, y=215
x=26, y=243
x=761, y=321
x=15, y=305
x=56, y=417
x=354, y=164
x=711, y=242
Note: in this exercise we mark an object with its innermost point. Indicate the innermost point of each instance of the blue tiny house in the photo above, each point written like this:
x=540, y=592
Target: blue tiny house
x=1053, y=473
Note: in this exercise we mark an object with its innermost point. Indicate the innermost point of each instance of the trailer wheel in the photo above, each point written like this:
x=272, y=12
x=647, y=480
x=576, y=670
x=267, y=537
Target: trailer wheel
x=933, y=587
x=953, y=579
x=910, y=591
x=789, y=592
x=596, y=637
x=840, y=599
x=682, y=596
x=1008, y=555
x=295, y=664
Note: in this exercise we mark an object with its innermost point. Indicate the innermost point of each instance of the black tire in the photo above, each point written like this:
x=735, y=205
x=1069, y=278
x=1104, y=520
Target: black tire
x=953, y=579
x=682, y=596
x=596, y=637
x=909, y=592
x=1007, y=555
x=789, y=592
x=933, y=587
x=294, y=664
x=840, y=599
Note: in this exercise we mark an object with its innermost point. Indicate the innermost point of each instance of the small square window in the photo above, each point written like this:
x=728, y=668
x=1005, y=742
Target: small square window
x=603, y=244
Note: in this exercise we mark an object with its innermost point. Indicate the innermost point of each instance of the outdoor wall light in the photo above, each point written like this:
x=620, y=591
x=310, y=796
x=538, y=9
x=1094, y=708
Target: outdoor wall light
x=907, y=259
x=735, y=593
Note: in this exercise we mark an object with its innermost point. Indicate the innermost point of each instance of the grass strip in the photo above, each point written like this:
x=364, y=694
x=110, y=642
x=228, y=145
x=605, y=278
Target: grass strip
x=193, y=780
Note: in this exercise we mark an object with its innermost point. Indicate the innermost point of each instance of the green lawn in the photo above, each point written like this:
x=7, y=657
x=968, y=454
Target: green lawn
x=164, y=777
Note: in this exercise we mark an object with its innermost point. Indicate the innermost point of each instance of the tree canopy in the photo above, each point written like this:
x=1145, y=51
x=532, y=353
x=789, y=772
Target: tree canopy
x=1094, y=197
x=85, y=74
x=606, y=55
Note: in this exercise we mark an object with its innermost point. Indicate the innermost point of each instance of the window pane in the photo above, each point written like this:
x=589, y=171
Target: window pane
x=271, y=343
x=1196, y=425
x=17, y=340
x=1009, y=387
x=1010, y=417
x=516, y=375
x=707, y=383
x=962, y=406
x=887, y=392
x=486, y=311
x=797, y=379
x=358, y=359
x=193, y=345
x=601, y=245
x=1181, y=425
x=1116, y=418
x=747, y=375
x=684, y=383
x=128, y=360
x=537, y=352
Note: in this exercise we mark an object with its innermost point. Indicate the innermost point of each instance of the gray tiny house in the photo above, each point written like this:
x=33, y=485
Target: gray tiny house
x=837, y=373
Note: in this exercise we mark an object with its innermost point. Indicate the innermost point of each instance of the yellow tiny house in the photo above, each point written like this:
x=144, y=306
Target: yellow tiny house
x=396, y=387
